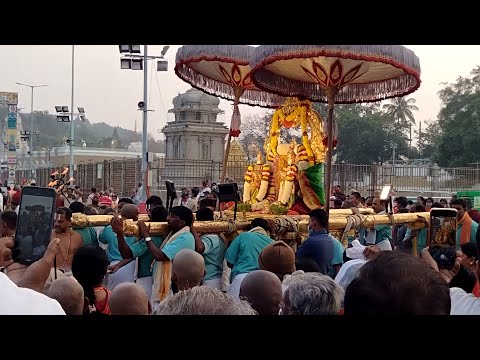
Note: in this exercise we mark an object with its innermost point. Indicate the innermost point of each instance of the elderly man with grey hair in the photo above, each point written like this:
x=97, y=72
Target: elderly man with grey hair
x=69, y=293
x=203, y=300
x=312, y=294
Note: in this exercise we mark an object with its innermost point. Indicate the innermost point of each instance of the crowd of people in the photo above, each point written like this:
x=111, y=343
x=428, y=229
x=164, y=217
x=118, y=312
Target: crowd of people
x=103, y=271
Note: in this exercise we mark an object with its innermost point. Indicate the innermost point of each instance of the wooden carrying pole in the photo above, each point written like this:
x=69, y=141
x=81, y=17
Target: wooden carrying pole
x=335, y=223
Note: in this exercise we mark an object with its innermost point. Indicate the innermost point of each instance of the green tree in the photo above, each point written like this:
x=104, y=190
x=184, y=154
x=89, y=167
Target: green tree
x=400, y=113
x=364, y=135
x=364, y=138
x=428, y=139
x=456, y=137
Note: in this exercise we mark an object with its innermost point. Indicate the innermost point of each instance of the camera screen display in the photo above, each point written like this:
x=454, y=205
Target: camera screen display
x=34, y=227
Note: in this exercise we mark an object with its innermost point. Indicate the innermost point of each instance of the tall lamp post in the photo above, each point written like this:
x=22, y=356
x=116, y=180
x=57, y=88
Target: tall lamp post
x=31, y=121
x=72, y=128
x=132, y=59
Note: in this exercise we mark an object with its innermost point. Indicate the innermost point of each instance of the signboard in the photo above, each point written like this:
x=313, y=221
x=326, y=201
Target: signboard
x=11, y=121
x=11, y=99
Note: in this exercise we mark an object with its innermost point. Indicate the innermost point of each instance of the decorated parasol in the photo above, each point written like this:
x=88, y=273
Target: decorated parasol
x=224, y=71
x=336, y=74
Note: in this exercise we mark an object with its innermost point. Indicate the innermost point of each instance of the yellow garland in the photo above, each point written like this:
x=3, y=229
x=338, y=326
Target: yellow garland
x=305, y=140
x=280, y=119
x=249, y=174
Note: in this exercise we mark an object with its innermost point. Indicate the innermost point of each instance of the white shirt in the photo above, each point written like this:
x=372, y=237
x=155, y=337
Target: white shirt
x=463, y=303
x=202, y=193
x=15, y=300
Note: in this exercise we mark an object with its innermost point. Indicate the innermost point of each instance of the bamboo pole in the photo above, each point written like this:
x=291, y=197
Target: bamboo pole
x=335, y=223
x=333, y=212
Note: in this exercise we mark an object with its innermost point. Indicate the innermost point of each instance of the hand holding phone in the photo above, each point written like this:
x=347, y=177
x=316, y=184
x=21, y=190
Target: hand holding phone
x=34, y=224
x=447, y=274
x=442, y=237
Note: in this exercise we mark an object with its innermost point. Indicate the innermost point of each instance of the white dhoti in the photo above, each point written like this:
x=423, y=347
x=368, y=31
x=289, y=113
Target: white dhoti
x=146, y=283
x=214, y=283
x=234, y=288
x=124, y=274
x=225, y=276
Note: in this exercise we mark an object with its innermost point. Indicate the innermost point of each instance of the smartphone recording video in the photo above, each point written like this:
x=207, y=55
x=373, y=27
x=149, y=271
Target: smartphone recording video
x=443, y=235
x=34, y=224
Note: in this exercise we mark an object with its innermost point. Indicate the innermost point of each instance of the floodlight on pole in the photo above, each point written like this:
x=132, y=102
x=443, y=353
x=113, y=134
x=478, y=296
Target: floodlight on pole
x=162, y=65
x=125, y=63
x=31, y=120
x=135, y=49
x=137, y=64
x=81, y=110
x=58, y=109
x=65, y=109
x=124, y=49
x=63, y=118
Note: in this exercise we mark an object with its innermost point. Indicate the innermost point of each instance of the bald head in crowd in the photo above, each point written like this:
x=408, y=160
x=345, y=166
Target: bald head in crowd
x=129, y=211
x=188, y=269
x=69, y=293
x=129, y=299
x=263, y=290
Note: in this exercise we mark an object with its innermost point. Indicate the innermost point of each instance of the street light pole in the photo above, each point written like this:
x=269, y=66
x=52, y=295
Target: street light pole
x=130, y=58
x=394, y=146
x=32, y=87
x=72, y=128
x=143, y=195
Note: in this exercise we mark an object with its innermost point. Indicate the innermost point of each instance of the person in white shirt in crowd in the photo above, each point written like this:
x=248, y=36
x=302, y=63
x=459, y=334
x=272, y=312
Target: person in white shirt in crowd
x=462, y=303
x=93, y=192
x=205, y=189
x=187, y=201
x=20, y=295
x=212, y=247
x=73, y=194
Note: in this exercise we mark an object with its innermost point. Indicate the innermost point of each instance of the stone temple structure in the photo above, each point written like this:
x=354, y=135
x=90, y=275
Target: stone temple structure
x=195, y=141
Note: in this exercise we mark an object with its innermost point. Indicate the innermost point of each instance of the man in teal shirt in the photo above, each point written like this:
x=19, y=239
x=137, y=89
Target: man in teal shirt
x=212, y=247
x=122, y=270
x=242, y=254
x=179, y=222
x=88, y=234
x=383, y=233
x=139, y=249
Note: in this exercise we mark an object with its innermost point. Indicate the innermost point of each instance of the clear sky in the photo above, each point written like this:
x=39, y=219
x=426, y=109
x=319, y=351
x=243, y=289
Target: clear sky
x=110, y=94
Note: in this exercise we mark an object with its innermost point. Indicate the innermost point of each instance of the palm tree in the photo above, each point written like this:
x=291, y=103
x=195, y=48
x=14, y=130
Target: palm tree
x=399, y=111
